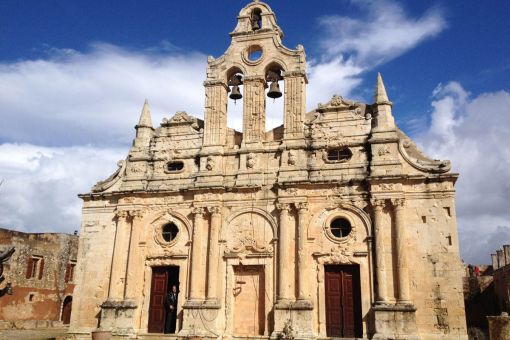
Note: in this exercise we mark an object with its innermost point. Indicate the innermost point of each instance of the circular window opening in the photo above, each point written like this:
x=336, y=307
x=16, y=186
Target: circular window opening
x=254, y=53
x=175, y=166
x=340, y=227
x=170, y=232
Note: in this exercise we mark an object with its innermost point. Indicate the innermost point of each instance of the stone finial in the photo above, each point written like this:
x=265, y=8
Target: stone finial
x=380, y=96
x=145, y=116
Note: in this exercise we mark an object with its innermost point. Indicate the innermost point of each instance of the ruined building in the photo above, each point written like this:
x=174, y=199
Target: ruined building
x=41, y=274
x=333, y=224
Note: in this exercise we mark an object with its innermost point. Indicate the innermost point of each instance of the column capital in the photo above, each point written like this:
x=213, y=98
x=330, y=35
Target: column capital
x=254, y=79
x=211, y=83
x=214, y=210
x=398, y=202
x=136, y=214
x=122, y=214
x=283, y=206
x=199, y=211
x=302, y=207
x=377, y=203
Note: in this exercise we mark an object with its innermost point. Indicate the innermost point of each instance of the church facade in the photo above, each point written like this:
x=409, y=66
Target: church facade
x=331, y=225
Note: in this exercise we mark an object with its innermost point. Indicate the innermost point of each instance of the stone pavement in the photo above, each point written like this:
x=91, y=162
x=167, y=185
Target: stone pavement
x=38, y=334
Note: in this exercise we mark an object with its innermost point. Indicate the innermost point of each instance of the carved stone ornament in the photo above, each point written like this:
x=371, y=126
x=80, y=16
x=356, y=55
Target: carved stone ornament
x=181, y=118
x=418, y=160
x=338, y=102
x=110, y=181
x=250, y=161
x=398, y=202
x=210, y=163
x=158, y=231
x=292, y=158
x=339, y=254
x=249, y=233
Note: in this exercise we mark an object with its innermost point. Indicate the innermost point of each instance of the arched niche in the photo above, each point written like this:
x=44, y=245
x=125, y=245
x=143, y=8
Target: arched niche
x=157, y=222
x=358, y=218
x=251, y=229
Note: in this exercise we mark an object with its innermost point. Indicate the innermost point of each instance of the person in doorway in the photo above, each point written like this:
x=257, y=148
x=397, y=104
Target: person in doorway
x=171, y=310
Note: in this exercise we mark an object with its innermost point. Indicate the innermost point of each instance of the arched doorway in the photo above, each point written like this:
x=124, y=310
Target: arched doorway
x=66, y=310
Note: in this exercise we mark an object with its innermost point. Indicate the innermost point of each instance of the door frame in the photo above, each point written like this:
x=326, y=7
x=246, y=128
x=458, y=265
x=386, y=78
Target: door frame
x=267, y=263
x=182, y=263
x=357, y=300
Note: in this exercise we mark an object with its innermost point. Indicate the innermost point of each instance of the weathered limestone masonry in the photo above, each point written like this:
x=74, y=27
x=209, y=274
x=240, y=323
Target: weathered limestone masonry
x=41, y=274
x=333, y=224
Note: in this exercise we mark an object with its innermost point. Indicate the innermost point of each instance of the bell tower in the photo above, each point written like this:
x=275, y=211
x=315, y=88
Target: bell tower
x=256, y=60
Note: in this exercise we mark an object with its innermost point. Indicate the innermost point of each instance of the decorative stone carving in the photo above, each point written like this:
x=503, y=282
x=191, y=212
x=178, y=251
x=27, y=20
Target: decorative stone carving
x=110, y=181
x=250, y=161
x=210, y=163
x=292, y=158
x=249, y=232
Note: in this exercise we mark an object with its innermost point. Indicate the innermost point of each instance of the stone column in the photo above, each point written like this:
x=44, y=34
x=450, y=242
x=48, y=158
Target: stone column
x=254, y=117
x=283, y=251
x=213, y=257
x=134, y=257
x=196, y=255
x=403, y=295
x=382, y=289
x=120, y=256
x=215, y=120
x=301, y=246
x=295, y=104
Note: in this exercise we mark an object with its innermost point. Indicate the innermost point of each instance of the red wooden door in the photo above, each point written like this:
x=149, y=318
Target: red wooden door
x=157, y=313
x=343, y=303
x=66, y=310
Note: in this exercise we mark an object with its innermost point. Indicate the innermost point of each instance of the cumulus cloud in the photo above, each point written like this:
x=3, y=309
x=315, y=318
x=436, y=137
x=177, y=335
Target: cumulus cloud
x=353, y=45
x=40, y=184
x=72, y=113
x=472, y=131
x=95, y=97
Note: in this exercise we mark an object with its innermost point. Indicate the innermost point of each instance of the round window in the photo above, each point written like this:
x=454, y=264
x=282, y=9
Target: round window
x=170, y=232
x=340, y=227
x=254, y=53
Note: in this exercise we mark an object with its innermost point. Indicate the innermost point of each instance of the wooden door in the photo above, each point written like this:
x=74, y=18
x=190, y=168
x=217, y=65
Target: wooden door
x=157, y=313
x=343, y=301
x=66, y=310
x=249, y=305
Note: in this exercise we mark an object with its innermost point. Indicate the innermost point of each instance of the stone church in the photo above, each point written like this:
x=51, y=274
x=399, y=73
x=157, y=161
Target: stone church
x=333, y=224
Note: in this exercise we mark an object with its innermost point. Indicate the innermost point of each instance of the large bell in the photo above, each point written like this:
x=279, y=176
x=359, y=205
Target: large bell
x=274, y=90
x=255, y=25
x=235, y=94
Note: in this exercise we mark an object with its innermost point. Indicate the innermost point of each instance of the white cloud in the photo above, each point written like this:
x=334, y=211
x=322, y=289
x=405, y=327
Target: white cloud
x=473, y=133
x=82, y=106
x=40, y=184
x=95, y=97
x=351, y=46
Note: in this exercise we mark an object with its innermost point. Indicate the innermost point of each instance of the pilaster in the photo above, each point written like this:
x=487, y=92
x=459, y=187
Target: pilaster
x=382, y=289
x=254, y=117
x=215, y=120
x=213, y=256
x=295, y=104
x=403, y=296
x=197, y=282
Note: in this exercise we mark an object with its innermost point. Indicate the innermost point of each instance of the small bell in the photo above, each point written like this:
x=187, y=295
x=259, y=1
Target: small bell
x=255, y=21
x=274, y=90
x=235, y=94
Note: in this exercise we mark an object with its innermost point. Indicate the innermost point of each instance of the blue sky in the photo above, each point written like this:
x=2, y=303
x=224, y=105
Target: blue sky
x=74, y=75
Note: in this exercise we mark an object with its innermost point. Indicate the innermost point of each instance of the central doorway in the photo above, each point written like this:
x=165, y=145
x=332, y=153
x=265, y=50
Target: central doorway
x=249, y=297
x=161, y=319
x=343, y=301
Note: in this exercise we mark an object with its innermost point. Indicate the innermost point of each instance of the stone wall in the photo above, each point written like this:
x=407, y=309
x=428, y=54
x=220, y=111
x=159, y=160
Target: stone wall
x=39, y=291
